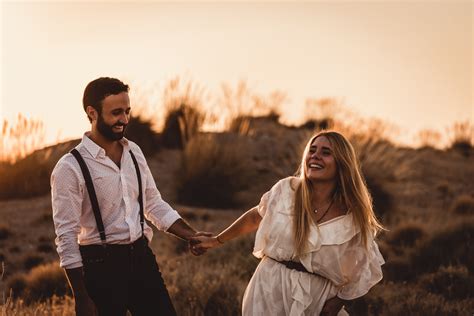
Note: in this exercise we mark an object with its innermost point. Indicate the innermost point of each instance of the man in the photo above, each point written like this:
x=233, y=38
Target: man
x=102, y=239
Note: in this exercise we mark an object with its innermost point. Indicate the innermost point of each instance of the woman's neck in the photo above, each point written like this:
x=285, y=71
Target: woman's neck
x=322, y=192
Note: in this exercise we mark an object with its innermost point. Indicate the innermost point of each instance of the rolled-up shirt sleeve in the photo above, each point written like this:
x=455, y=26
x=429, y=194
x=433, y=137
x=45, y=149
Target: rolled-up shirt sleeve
x=160, y=213
x=66, y=196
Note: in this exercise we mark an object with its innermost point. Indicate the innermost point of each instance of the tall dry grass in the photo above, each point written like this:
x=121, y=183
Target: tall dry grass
x=461, y=137
x=20, y=138
x=184, y=106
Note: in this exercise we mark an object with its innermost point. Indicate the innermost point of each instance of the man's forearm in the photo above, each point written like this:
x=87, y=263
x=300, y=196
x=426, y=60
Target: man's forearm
x=181, y=229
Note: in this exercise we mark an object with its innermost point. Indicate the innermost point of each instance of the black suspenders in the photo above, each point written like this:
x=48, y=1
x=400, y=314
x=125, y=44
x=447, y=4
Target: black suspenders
x=93, y=196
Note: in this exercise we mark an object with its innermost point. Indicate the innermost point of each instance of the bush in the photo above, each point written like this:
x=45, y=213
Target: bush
x=464, y=204
x=215, y=168
x=223, y=301
x=406, y=235
x=398, y=269
x=181, y=124
x=453, y=246
x=140, y=131
x=45, y=247
x=32, y=261
x=17, y=284
x=381, y=200
x=450, y=282
x=461, y=136
x=30, y=176
x=45, y=281
x=183, y=103
x=4, y=232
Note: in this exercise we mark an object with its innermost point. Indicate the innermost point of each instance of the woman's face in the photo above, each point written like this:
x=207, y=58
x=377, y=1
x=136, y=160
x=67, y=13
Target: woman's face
x=320, y=162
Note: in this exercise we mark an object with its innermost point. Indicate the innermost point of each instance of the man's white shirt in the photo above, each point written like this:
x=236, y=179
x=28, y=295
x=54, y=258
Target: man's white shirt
x=117, y=194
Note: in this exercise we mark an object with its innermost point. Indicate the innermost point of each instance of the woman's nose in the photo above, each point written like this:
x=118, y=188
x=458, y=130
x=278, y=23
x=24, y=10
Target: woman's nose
x=315, y=155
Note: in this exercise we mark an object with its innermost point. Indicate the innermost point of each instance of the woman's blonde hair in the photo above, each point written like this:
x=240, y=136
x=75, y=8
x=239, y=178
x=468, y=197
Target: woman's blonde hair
x=350, y=191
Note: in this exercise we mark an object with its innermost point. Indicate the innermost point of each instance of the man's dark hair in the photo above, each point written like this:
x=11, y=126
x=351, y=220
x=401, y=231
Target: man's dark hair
x=97, y=90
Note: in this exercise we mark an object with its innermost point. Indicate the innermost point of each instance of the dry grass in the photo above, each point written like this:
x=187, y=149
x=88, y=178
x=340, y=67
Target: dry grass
x=461, y=137
x=183, y=103
x=429, y=138
x=19, y=138
x=463, y=205
x=428, y=252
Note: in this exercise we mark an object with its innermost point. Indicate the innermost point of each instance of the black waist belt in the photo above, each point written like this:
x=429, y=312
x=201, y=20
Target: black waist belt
x=298, y=266
x=97, y=253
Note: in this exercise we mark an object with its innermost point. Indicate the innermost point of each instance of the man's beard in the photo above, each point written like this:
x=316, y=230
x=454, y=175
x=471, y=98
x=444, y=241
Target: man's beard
x=107, y=130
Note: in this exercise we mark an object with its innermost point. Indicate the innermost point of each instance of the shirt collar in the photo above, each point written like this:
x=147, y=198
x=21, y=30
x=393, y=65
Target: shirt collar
x=95, y=150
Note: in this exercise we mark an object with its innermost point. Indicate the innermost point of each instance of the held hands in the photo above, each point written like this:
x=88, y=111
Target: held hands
x=197, y=251
x=204, y=242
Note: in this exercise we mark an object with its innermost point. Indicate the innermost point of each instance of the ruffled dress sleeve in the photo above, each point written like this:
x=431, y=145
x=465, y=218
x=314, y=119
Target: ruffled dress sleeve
x=361, y=267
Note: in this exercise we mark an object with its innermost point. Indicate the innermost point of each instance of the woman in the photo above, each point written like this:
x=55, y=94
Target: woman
x=315, y=236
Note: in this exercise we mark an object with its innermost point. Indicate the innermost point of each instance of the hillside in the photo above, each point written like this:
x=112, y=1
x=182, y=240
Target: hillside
x=416, y=191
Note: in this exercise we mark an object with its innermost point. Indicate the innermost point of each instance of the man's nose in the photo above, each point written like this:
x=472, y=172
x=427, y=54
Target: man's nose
x=124, y=118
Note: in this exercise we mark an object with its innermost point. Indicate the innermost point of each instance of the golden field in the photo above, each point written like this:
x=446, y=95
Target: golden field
x=424, y=196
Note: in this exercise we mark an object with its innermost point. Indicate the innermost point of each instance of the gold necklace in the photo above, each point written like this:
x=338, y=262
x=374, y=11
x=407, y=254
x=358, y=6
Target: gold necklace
x=325, y=212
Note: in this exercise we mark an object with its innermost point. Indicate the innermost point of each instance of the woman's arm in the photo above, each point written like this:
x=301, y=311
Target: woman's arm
x=245, y=224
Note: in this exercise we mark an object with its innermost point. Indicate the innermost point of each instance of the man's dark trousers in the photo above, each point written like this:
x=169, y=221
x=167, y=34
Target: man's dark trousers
x=125, y=277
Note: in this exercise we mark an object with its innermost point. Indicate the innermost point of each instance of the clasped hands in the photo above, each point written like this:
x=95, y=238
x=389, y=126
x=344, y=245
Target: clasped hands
x=201, y=242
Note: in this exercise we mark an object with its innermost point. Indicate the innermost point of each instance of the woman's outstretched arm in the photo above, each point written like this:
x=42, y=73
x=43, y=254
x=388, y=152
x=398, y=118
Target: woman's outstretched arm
x=245, y=224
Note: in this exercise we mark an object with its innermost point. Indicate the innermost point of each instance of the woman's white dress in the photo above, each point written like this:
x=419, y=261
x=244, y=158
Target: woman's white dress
x=335, y=252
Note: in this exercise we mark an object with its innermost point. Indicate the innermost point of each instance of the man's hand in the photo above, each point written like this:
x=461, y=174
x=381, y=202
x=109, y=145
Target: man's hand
x=332, y=306
x=193, y=241
x=205, y=242
x=85, y=306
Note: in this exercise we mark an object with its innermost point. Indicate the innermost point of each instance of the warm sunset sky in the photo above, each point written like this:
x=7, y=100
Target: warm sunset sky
x=408, y=62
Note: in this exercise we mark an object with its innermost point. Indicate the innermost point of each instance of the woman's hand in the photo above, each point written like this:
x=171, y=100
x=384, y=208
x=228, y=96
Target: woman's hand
x=203, y=243
x=332, y=306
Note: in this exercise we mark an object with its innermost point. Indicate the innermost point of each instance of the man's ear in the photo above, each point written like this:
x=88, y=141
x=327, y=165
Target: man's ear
x=92, y=113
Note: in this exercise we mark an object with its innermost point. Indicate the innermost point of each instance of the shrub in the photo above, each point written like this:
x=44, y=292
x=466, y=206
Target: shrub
x=223, y=301
x=453, y=246
x=181, y=124
x=17, y=284
x=32, y=261
x=4, y=232
x=45, y=247
x=381, y=199
x=215, y=168
x=411, y=301
x=30, y=176
x=406, y=235
x=461, y=136
x=453, y=282
x=140, y=131
x=464, y=204
x=398, y=269
x=15, y=249
x=183, y=103
x=44, y=281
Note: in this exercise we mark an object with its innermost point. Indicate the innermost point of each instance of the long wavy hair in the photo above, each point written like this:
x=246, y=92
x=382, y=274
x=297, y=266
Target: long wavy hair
x=350, y=191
